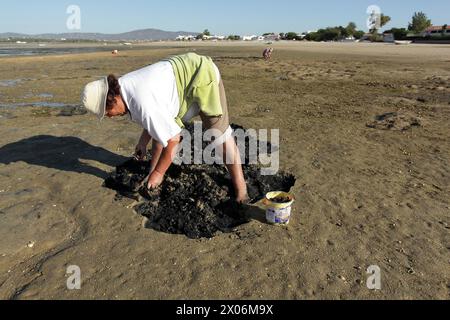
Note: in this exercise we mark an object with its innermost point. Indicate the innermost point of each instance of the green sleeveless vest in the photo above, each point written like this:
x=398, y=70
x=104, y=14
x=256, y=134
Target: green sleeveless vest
x=196, y=83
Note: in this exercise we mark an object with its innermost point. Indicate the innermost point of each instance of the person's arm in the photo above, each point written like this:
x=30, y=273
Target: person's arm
x=165, y=158
x=157, y=149
x=141, y=148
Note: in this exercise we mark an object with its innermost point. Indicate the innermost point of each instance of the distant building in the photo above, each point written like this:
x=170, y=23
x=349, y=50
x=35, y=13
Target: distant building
x=388, y=37
x=366, y=37
x=272, y=37
x=215, y=37
x=250, y=38
x=436, y=31
x=349, y=39
x=186, y=38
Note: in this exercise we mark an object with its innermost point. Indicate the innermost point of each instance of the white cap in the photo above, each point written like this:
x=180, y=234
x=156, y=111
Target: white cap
x=94, y=97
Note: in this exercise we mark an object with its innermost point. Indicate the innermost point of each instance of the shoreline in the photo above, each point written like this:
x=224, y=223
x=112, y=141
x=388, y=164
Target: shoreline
x=98, y=48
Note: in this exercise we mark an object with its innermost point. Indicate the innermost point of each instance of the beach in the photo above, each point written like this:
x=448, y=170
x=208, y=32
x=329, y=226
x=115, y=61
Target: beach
x=363, y=127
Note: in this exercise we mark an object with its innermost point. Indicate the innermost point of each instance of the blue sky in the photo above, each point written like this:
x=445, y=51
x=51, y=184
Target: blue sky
x=220, y=17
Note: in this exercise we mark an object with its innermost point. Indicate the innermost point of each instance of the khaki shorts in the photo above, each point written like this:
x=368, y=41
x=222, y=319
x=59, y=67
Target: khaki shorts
x=219, y=123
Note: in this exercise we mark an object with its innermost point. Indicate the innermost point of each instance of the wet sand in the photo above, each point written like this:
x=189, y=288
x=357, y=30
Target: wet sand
x=370, y=190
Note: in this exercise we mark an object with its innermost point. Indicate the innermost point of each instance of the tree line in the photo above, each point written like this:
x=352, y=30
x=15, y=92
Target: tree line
x=419, y=23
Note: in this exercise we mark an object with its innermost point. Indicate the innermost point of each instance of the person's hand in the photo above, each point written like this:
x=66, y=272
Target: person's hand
x=140, y=152
x=155, y=180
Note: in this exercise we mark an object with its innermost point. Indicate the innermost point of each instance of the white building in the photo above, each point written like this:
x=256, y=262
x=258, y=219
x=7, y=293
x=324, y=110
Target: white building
x=250, y=38
x=186, y=38
x=437, y=31
x=215, y=37
x=388, y=37
x=272, y=37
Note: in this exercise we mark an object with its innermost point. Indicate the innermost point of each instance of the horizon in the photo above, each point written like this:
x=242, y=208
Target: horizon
x=233, y=17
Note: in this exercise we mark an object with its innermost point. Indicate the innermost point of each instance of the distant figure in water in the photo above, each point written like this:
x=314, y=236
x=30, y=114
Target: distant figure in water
x=267, y=54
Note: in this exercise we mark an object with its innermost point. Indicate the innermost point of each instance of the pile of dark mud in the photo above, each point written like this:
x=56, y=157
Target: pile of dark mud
x=194, y=200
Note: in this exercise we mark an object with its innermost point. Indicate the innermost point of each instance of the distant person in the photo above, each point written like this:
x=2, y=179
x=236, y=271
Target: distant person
x=267, y=54
x=163, y=97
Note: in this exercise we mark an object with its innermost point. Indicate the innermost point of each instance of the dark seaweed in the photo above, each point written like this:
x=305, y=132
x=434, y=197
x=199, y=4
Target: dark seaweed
x=194, y=200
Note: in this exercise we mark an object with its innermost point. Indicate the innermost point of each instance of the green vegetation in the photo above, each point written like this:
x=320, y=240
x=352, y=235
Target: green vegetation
x=204, y=33
x=420, y=23
x=351, y=29
x=336, y=33
x=359, y=34
x=399, y=33
x=380, y=20
x=234, y=37
x=326, y=34
x=291, y=36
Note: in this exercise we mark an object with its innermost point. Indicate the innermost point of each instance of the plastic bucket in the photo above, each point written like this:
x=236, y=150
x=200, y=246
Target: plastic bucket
x=278, y=213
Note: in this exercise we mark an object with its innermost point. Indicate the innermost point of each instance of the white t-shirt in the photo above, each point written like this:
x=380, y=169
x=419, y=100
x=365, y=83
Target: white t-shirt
x=151, y=95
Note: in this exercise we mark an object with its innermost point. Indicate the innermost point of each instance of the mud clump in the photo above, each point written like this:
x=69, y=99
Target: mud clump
x=281, y=200
x=194, y=200
x=128, y=177
x=191, y=202
x=395, y=121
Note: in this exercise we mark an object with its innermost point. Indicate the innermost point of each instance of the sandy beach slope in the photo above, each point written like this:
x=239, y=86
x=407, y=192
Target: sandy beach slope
x=370, y=191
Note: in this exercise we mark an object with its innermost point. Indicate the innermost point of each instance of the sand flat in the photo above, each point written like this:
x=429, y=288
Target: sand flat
x=365, y=195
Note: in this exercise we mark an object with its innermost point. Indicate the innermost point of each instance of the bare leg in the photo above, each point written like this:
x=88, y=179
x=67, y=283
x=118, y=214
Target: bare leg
x=231, y=155
x=232, y=158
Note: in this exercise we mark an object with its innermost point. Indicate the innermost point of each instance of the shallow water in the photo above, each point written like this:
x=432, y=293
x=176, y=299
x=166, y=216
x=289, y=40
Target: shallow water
x=45, y=95
x=9, y=52
x=10, y=83
x=37, y=104
x=41, y=95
